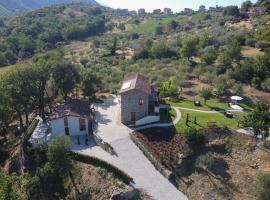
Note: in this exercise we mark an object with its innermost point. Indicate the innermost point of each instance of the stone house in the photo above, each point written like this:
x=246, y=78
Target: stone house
x=139, y=101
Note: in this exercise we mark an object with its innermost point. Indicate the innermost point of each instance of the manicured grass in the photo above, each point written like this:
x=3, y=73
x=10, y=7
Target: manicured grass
x=203, y=118
x=246, y=106
x=167, y=115
x=211, y=104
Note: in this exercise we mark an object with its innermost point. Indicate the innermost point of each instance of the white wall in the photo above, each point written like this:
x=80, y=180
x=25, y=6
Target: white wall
x=74, y=126
x=147, y=120
x=58, y=127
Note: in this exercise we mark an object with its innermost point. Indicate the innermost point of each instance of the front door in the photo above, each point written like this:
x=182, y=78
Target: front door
x=67, y=131
x=133, y=117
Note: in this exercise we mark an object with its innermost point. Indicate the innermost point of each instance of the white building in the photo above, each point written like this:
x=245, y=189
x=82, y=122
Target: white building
x=141, y=12
x=71, y=118
x=167, y=11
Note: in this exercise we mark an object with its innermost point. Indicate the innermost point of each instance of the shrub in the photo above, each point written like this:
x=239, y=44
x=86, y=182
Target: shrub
x=207, y=160
x=188, y=153
x=231, y=11
x=159, y=30
x=101, y=163
x=162, y=50
x=264, y=187
x=263, y=45
x=266, y=85
x=196, y=138
x=209, y=56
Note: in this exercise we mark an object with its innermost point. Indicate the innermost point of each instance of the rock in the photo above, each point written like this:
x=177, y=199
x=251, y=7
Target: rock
x=128, y=195
x=254, y=166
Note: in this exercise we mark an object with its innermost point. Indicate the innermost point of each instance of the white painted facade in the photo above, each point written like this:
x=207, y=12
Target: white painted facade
x=58, y=127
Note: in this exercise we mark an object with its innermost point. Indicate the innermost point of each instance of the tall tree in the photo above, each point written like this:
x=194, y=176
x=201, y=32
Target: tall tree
x=65, y=76
x=189, y=47
x=259, y=120
x=21, y=90
x=265, y=3
x=206, y=94
x=42, y=74
x=6, y=112
x=90, y=83
x=231, y=11
x=246, y=5
x=209, y=56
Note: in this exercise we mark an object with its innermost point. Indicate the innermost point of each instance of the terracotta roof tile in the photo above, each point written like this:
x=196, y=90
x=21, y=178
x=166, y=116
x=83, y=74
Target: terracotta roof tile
x=136, y=82
x=73, y=107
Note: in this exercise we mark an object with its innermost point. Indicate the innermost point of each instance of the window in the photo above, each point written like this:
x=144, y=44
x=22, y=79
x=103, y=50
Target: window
x=141, y=102
x=82, y=124
x=65, y=121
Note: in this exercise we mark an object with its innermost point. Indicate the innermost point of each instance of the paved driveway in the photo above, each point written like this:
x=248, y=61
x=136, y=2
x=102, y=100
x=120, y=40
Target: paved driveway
x=128, y=156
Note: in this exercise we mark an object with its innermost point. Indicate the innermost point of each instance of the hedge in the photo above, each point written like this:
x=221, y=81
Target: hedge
x=101, y=163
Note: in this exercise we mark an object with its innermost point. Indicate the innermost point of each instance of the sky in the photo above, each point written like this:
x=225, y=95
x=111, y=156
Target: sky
x=175, y=5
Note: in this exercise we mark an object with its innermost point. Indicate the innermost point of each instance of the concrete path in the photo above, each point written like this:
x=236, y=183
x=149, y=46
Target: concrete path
x=175, y=121
x=128, y=156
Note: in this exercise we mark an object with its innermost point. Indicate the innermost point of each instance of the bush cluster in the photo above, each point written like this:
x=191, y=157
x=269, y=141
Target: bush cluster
x=101, y=163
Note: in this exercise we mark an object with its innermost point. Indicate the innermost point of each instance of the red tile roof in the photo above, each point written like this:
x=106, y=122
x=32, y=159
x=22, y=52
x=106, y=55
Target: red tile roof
x=137, y=82
x=74, y=107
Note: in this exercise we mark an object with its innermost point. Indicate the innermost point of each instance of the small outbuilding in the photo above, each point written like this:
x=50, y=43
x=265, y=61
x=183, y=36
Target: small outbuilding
x=139, y=101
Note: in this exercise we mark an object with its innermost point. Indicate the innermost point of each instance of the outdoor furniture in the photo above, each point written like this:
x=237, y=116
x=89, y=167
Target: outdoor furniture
x=197, y=103
x=211, y=124
x=228, y=114
x=236, y=107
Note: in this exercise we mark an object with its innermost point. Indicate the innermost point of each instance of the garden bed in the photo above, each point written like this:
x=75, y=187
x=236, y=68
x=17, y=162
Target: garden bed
x=164, y=144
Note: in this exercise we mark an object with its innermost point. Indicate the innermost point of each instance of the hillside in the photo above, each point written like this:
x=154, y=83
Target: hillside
x=48, y=28
x=12, y=7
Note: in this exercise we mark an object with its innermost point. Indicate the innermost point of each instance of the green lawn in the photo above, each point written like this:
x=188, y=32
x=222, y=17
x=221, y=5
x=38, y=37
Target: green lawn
x=212, y=104
x=167, y=115
x=203, y=118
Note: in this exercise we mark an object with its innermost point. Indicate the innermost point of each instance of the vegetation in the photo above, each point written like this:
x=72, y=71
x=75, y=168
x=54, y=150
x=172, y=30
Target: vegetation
x=38, y=31
x=263, y=187
x=206, y=94
x=196, y=137
x=208, y=161
x=97, y=162
x=184, y=56
x=259, y=120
